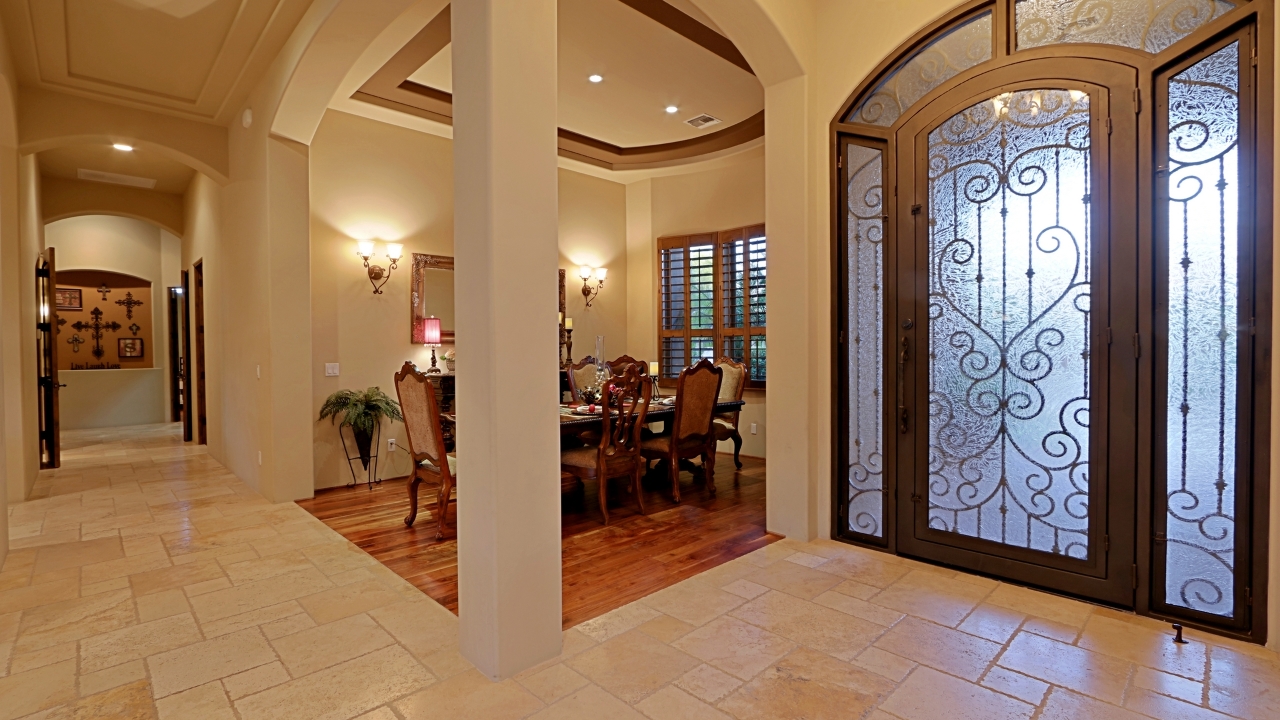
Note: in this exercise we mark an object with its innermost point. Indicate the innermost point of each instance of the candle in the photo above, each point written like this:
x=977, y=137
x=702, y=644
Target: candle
x=561, y=318
x=568, y=323
x=653, y=368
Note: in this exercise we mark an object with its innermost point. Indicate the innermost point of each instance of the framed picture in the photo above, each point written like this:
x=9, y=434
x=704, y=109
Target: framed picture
x=129, y=348
x=68, y=299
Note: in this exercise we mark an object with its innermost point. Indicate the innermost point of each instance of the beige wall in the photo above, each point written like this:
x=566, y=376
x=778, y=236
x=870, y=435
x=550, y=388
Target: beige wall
x=374, y=180
x=132, y=247
x=11, y=465
x=200, y=242
x=20, y=254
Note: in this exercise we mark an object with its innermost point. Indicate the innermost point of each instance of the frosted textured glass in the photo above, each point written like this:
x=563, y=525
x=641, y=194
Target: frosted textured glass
x=865, y=249
x=934, y=64
x=1203, y=182
x=1009, y=285
x=1150, y=25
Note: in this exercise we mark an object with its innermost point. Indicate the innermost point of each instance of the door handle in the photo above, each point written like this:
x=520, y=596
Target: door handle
x=904, y=354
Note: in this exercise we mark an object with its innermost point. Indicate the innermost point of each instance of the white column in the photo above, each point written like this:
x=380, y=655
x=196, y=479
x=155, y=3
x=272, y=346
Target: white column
x=505, y=248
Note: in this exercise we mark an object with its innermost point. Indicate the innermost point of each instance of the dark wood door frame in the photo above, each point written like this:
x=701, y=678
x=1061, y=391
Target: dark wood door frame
x=201, y=411
x=185, y=308
x=175, y=354
x=48, y=386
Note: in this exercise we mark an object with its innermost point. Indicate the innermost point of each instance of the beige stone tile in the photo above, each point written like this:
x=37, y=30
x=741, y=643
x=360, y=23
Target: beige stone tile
x=197, y=664
x=1143, y=646
x=707, y=683
x=671, y=703
x=770, y=554
x=174, y=578
x=141, y=545
x=72, y=620
x=1052, y=630
x=76, y=554
x=1067, y=705
x=35, y=595
x=811, y=625
x=447, y=662
x=553, y=683
x=853, y=588
x=928, y=695
x=736, y=647
x=468, y=696
x=424, y=628
x=884, y=663
x=205, y=702
x=320, y=647
x=382, y=713
x=288, y=626
x=240, y=599
x=253, y=618
x=161, y=605
x=206, y=587
x=1024, y=688
x=132, y=701
x=574, y=642
x=1077, y=669
x=932, y=596
x=113, y=677
x=940, y=647
x=35, y=690
x=589, y=703
x=798, y=580
x=1041, y=604
x=262, y=568
x=808, y=684
x=666, y=628
x=1243, y=684
x=693, y=602
x=632, y=665
x=850, y=605
x=722, y=575
x=616, y=622
x=334, y=558
x=255, y=680
x=138, y=641
x=875, y=569
x=119, y=583
x=39, y=658
x=993, y=622
x=1171, y=685
x=745, y=589
x=1161, y=706
x=347, y=600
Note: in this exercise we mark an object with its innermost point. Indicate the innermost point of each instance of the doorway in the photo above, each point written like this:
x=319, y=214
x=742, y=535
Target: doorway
x=188, y=422
x=47, y=328
x=176, y=358
x=202, y=406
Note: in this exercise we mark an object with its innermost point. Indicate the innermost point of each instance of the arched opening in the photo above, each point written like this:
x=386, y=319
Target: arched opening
x=1052, y=269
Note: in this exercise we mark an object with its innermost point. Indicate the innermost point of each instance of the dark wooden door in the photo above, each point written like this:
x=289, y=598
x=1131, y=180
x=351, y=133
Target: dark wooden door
x=47, y=359
x=202, y=406
x=175, y=355
x=188, y=424
x=1015, y=287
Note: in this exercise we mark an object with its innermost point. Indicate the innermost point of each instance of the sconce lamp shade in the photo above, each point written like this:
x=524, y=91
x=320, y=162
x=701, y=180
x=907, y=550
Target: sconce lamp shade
x=584, y=272
x=394, y=251
x=364, y=248
x=601, y=272
x=431, y=331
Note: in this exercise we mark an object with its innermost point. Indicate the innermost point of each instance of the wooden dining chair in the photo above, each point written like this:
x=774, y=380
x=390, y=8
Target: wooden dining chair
x=624, y=404
x=692, y=435
x=731, y=387
x=426, y=442
x=581, y=374
x=617, y=365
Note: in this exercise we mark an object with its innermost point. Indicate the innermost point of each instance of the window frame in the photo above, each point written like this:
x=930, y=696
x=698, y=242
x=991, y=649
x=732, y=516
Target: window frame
x=718, y=332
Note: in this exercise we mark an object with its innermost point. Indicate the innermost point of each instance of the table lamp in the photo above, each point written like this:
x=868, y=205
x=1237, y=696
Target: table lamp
x=431, y=338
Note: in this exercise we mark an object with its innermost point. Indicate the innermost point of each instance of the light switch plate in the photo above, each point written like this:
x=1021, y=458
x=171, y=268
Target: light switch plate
x=331, y=369
x=753, y=428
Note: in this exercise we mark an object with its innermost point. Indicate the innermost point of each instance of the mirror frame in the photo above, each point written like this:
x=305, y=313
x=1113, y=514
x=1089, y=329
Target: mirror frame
x=421, y=263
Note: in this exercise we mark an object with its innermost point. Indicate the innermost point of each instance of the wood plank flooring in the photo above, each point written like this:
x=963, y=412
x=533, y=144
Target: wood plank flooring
x=604, y=567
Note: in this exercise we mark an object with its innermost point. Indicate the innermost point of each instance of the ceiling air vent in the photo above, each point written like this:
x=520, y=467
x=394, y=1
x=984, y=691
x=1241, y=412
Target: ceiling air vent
x=116, y=178
x=702, y=121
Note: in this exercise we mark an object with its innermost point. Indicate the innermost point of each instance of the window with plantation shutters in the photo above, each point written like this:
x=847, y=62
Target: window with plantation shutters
x=713, y=301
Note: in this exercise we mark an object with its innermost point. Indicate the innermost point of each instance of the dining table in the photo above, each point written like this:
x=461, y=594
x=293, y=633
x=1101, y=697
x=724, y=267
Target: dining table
x=572, y=421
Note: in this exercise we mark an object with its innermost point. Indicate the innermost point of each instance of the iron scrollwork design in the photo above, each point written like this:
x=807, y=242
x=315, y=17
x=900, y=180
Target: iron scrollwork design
x=1150, y=25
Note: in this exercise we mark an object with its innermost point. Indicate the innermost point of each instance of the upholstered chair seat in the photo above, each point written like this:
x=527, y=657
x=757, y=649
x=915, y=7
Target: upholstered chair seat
x=453, y=464
x=725, y=425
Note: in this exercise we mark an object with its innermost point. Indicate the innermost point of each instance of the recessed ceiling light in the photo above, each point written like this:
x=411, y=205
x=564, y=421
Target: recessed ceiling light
x=122, y=146
x=672, y=109
x=595, y=78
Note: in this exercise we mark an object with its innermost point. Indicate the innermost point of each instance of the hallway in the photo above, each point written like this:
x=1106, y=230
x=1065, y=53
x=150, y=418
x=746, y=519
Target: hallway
x=147, y=582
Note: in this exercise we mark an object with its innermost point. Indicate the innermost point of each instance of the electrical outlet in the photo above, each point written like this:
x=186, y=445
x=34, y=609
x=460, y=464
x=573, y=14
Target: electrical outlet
x=753, y=428
x=331, y=369
x=391, y=444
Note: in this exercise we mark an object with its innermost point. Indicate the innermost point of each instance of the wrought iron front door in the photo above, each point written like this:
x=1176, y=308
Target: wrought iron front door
x=1015, y=399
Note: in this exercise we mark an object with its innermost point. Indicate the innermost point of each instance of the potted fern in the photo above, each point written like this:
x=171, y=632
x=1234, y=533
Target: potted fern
x=364, y=411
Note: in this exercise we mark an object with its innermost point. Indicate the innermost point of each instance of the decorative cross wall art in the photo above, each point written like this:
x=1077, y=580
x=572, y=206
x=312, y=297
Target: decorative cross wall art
x=75, y=341
x=104, y=290
x=97, y=328
x=134, y=328
x=61, y=321
x=129, y=304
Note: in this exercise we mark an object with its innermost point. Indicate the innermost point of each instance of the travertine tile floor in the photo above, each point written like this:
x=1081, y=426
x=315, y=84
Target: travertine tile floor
x=148, y=582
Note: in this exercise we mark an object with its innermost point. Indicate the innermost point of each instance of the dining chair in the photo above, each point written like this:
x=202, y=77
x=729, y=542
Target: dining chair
x=581, y=374
x=426, y=442
x=692, y=435
x=731, y=387
x=616, y=366
x=624, y=403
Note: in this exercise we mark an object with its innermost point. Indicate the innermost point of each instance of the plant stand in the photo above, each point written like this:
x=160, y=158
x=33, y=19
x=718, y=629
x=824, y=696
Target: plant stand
x=372, y=478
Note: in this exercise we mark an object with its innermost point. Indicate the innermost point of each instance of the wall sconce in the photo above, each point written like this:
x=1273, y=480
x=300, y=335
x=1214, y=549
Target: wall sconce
x=378, y=276
x=588, y=292
x=431, y=338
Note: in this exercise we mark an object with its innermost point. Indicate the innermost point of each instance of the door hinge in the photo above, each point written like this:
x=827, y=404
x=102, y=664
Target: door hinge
x=1253, y=326
x=1137, y=101
x=915, y=209
x=1137, y=345
x=42, y=272
x=915, y=498
x=1160, y=537
x=1106, y=543
x=1133, y=575
x=43, y=326
x=840, y=161
x=1108, y=336
x=841, y=337
x=1253, y=58
x=1108, y=126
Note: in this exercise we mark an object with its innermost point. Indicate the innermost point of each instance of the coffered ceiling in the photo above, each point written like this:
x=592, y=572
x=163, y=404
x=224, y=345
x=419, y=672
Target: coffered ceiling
x=192, y=58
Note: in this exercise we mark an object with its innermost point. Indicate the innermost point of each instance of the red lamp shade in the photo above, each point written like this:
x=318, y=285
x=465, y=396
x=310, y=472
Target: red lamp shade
x=431, y=331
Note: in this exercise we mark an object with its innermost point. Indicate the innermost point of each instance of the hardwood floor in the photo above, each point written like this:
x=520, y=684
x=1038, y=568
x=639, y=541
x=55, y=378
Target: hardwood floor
x=604, y=567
